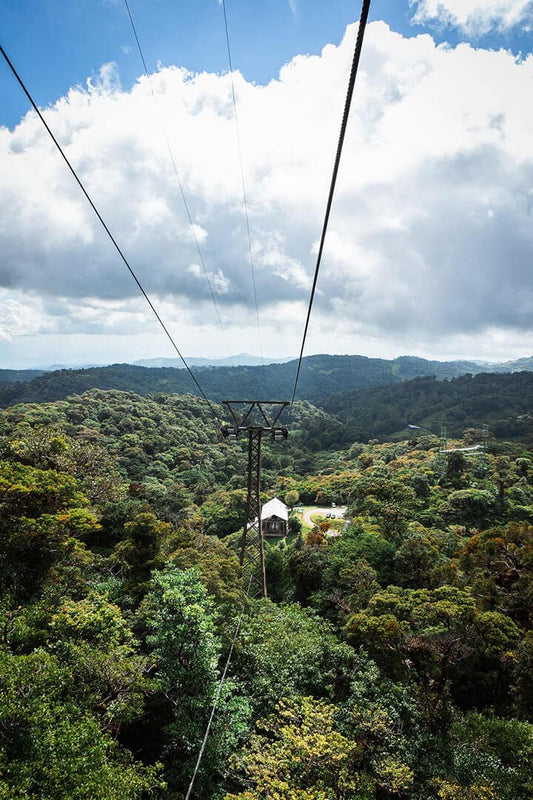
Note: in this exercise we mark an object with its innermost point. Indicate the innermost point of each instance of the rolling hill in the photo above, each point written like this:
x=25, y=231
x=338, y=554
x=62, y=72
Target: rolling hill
x=321, y=377
x=503, y=401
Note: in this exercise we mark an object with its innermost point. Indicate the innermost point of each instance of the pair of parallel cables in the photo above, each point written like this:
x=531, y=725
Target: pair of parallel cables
x=241, y=165
x=349, y=95
x=351, y=84
x=344, y=124
x=184, y=199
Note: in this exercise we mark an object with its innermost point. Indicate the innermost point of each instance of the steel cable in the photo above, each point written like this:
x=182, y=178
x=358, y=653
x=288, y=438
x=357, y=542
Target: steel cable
x=107, y=230
x=180, y=185
x=243, y=182
x=218, y=693
x=351, y=83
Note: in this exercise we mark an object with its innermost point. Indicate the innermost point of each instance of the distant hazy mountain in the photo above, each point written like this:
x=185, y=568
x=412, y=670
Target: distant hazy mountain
x=16, y=375
x=321, y=376
x=240, y=360
x=520, y=365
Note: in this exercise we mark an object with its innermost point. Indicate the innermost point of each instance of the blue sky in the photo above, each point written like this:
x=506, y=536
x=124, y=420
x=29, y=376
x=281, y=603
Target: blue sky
x=57, y=44
x=430, y=244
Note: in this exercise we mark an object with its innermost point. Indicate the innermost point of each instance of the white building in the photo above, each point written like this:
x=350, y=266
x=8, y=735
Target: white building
x=274, y=518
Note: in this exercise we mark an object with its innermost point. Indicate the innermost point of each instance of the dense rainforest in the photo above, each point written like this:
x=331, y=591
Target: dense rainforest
x=392, y=661
x=320, y=377
x=502, y=401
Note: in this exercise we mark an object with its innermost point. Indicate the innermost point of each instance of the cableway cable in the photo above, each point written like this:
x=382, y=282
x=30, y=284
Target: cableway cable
x=218, y=693
x=351, y=83
x=243, y=182
x=107, y=230
x=179, y=182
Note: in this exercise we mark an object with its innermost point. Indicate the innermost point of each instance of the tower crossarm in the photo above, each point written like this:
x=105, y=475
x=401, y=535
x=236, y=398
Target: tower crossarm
x=255, y=418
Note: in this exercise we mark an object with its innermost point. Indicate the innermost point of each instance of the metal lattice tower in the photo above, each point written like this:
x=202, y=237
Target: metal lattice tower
x=443, y=447
x=255, y=418
x=485, y=444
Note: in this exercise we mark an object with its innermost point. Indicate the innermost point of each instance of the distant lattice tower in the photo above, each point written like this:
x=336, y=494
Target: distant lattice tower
x=443, y=447
x=484, y=452
x=254, y=418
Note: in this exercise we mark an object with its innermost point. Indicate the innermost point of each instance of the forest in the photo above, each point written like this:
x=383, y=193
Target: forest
x=391, y=662
x=321, y=377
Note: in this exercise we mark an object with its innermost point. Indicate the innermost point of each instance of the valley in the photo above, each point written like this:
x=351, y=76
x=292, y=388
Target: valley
x=401, y=633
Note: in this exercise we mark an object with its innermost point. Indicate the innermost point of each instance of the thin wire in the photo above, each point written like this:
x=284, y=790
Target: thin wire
x=217, y=695
x=347, y=104
x=105, y=227
x=243, y=182
x=179, y=182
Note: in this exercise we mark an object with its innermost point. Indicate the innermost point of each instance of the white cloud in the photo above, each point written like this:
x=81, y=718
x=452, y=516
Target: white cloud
x=430, y=233
x=218, y=281
x=476, y=17
x=21, y=316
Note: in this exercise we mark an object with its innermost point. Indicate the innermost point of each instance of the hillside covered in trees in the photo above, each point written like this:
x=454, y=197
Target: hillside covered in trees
x=505, y=402
x=392, y=662
x=321, y=376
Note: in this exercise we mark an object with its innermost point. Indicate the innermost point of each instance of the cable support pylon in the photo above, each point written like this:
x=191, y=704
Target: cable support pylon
x=443, y=446
x=351, y=84
x=108, y=231
x=252, y=553
x=255, y=418
x=485, y=444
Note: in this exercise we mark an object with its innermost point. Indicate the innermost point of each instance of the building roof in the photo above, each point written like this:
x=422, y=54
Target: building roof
x=275, y=508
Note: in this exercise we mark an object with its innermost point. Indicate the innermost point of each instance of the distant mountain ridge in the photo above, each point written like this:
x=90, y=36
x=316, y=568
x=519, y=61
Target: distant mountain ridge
x=19, y=375
x=321, y=377
x=502, y=401
x=240, y=360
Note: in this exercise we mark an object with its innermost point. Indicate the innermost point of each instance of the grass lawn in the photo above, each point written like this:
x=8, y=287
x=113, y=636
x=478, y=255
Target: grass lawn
x=336, y=524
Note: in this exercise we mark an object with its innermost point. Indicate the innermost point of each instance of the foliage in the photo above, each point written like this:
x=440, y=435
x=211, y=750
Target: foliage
x=319, y=375
x=285, y=650
x=503, y=401
x=42, y=520
x=139, y=552
x=398, y=654
x=493, y=755
x=52, y=748
x=178, y=614
x=442, y=635
x=498, y=563
x=298, y=755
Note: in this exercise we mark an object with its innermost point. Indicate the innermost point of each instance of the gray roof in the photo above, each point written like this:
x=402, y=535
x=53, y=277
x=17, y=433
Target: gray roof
x=275, y=508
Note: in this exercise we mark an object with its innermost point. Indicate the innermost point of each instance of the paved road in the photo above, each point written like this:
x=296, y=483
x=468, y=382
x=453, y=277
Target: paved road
x=339, y=512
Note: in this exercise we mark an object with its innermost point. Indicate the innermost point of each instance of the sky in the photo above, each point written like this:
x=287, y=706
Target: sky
x=430, y=244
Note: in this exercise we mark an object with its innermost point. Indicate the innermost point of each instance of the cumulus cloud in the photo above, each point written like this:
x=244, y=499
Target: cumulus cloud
x=475, y=16
x=430, y=233
x=18, y=317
